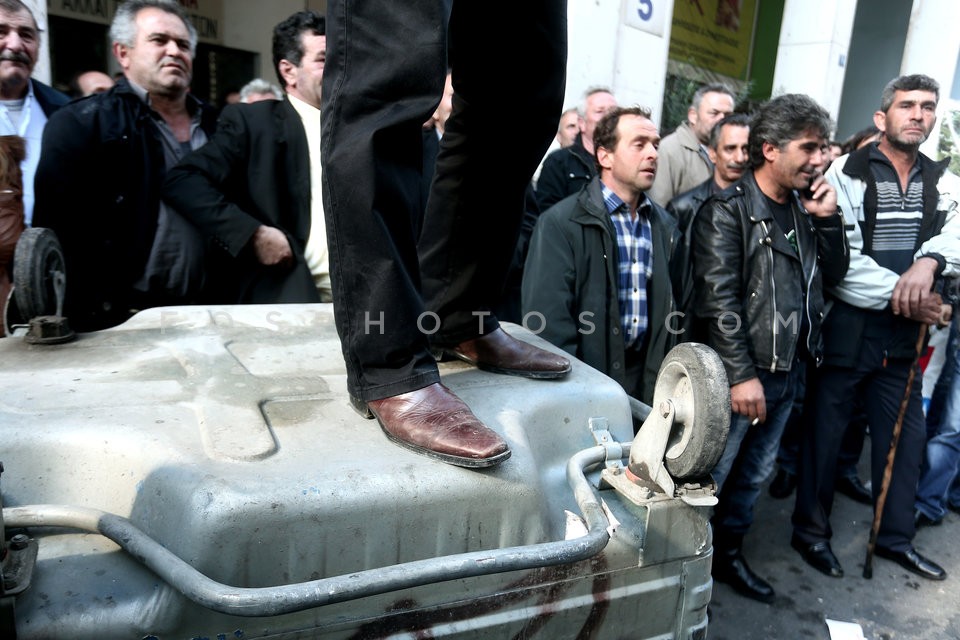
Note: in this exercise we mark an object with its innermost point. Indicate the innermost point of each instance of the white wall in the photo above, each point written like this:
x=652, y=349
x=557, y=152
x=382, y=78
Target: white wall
x=248, y=25
x=814, y=44
x=605, y=50
x=592, y=46
x=932, y=49
x=41, y=71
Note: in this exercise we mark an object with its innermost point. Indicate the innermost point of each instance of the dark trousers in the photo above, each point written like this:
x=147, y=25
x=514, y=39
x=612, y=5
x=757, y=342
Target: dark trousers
x=384, y=75
x=788, y=457
x=876, y=384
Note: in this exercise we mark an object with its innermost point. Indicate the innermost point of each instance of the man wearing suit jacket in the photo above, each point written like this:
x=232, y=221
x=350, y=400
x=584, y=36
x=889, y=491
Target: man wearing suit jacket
x=25, y=104
x=254, y=189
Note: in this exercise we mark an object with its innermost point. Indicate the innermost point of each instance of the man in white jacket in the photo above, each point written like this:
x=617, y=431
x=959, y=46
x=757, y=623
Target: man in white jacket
x=900, y=214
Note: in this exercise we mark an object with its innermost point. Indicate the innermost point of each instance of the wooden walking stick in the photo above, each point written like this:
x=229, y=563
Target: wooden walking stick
x=891, y=456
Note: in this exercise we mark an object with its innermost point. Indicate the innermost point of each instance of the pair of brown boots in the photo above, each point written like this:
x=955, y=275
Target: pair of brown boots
x=12, y=224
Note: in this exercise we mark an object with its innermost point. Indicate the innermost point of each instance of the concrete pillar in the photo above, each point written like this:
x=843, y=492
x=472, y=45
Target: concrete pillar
x=41, y=71
x=814, y=43
x=632, y=61
x=248, y=25
x=932, y=49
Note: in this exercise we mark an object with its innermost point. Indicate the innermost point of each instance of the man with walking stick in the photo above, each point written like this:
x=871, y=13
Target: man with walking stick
x=900, y=215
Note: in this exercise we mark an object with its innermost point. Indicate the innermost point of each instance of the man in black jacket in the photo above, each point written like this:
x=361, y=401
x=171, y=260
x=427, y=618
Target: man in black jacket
x=566, y=171
x=254, y=189
x=25, y=103
x=729, y=152
x=762, y=250
x=596, y=276
x=103, y=163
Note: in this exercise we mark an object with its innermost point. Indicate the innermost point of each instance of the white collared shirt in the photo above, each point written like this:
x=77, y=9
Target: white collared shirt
x=30, y=128
x=316, y=253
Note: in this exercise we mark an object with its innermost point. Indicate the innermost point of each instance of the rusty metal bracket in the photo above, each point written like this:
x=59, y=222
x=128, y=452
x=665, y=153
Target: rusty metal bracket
x=600, y=430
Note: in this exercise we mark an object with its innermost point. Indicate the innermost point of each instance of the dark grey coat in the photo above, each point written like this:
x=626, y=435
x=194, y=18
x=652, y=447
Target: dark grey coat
x=571, y=278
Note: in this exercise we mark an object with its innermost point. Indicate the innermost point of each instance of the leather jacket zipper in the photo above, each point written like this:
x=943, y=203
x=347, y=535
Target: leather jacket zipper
x=806, y=298
x=773, y=288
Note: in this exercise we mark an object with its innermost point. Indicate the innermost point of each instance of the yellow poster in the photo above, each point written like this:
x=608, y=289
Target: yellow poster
x=714, y=35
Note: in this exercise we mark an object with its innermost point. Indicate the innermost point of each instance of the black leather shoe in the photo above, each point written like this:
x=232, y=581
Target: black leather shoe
x=782, y=484
x=920, y=519
x=913, y=561
x=731, y=568
x=820, y=556
x=954, y=507
x=853, y=488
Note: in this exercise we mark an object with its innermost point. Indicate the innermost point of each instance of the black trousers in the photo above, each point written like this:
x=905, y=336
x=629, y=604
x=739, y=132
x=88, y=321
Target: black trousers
x=385, y=69
x=877, y=384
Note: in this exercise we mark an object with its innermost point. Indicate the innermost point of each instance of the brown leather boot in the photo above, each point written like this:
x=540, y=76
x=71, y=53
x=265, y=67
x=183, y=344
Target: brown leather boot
x=499, y=352
x=436, y=423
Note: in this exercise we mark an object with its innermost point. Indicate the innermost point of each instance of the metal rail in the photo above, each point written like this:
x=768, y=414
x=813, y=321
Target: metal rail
x=277, y=600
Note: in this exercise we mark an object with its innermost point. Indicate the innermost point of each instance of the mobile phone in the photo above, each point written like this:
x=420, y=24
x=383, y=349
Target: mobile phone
x=807, y=192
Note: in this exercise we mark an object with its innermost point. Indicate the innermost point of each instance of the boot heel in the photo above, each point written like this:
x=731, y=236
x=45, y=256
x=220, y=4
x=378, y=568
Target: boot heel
x=361, y=407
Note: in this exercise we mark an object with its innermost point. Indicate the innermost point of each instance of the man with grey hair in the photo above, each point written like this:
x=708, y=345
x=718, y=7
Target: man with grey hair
x=259, y=89
x=566, y=171
x=900, y=214
x=104, y=159
x=762, y=251
x=25, y=103
x=684, y=160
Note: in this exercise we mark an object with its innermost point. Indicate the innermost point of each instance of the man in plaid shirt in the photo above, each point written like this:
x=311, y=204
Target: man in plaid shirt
x=596, y=280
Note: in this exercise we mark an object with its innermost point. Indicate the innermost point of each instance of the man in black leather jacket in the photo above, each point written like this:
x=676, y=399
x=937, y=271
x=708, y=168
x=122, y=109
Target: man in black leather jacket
x=729, y=152
x=762, y=250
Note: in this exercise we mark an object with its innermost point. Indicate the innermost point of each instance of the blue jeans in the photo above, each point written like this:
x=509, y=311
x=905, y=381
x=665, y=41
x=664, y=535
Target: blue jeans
x=938, y=486
x=751, y=452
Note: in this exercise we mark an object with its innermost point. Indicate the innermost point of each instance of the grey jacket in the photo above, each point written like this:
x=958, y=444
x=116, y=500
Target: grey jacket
x=680, y=165
x=867, y=287
x=571, y=279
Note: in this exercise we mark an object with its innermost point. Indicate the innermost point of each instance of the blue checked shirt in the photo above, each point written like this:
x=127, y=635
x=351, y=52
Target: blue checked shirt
x=635, y=248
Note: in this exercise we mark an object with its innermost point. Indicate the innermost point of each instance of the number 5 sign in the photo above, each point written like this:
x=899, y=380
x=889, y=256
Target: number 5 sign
x=647, y=15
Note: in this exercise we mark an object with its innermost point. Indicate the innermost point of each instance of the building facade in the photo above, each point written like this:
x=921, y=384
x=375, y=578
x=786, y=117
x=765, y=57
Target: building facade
x=649, y=52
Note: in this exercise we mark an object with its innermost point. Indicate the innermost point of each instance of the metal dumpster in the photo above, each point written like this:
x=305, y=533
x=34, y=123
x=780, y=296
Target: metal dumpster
x=198, y=473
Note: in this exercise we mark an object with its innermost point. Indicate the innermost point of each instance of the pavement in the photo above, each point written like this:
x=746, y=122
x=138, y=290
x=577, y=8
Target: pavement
x=894, y=605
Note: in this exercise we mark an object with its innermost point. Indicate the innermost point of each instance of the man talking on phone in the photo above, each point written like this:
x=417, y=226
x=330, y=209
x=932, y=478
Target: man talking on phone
x=762, y=250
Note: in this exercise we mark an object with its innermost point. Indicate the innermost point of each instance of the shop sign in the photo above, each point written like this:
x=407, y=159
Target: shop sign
x=206, y=15
x=714, y=34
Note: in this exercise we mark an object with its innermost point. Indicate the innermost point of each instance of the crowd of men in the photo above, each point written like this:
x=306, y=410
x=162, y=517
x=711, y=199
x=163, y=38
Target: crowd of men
x=813, y=280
